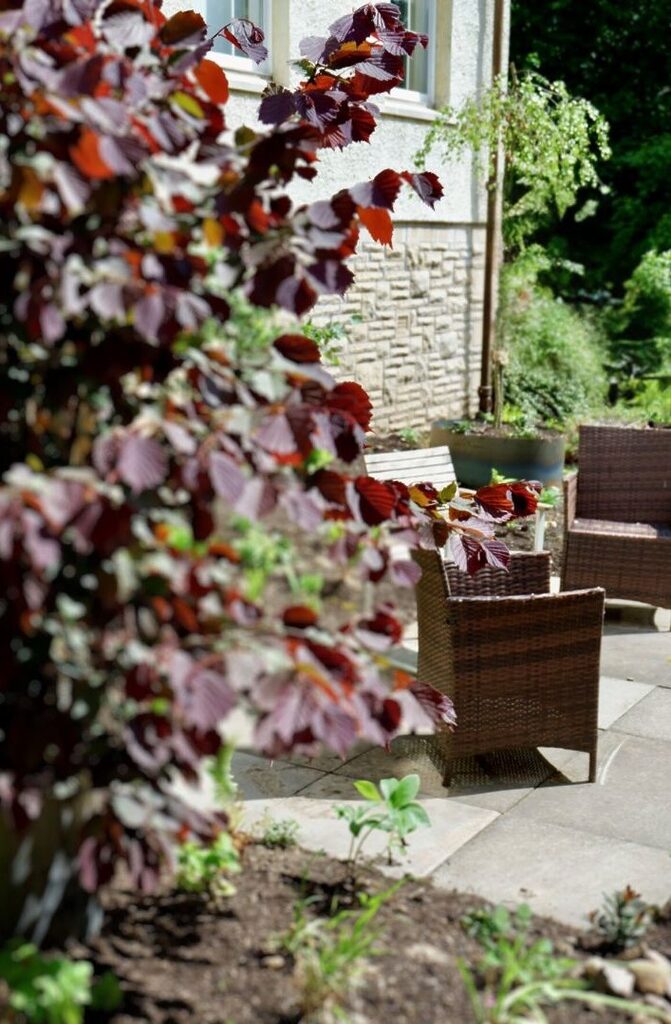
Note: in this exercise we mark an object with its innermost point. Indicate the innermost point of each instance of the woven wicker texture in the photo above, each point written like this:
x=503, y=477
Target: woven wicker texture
x=518, y=768
x=523, y=671
x=618, y=514
x=527, y=574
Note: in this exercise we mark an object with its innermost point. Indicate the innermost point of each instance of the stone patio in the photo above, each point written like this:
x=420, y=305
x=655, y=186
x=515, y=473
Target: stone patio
x=539, y=834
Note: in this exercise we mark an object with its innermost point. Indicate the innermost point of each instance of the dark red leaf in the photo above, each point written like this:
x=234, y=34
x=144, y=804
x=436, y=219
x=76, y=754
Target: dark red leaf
x=297, y=348
x=426, y=185
x=185, y=27
x=376, y=500
x=299, y=616
x=353, y=399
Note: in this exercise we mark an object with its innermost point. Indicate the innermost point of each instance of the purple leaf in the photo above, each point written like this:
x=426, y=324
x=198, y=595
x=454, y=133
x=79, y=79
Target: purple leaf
x=52, y=324
x=226, y=476
x=106, y=300
x=246, y=36
x=142, y=463
x=277, y=107
x=149, y=315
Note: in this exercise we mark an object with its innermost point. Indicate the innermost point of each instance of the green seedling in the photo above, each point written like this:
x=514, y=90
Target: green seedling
x=280, y=834
x=331, y=955
x=204, y=868
x=623, y=918
x=392, y=809
x=52, y=990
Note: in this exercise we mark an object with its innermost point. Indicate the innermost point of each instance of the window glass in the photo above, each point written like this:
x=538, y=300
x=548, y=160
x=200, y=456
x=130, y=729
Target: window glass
x=418, y=16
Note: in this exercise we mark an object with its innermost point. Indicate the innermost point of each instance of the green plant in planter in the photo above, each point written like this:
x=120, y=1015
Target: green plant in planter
x=392, y=809
x=552, y=143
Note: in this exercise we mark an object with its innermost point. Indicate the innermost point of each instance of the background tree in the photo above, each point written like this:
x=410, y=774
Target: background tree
x=616, y=55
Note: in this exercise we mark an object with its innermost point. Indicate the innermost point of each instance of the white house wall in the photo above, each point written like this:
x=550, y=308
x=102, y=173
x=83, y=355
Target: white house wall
x=414, y=314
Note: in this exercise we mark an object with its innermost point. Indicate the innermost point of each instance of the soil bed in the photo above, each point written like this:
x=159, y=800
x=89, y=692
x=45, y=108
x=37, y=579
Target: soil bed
x=182, y=958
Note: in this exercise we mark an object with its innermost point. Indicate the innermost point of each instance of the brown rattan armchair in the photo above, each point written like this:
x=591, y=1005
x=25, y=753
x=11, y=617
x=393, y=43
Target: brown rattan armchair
x=520, y=664
x=618, y=514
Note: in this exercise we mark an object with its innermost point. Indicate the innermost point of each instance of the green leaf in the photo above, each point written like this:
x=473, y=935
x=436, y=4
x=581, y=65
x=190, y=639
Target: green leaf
x=415, y=817
x=447, y=493
x=106, y=994
x=368, y=790
x=188, y=103
x=405, y=791
x=388, y=787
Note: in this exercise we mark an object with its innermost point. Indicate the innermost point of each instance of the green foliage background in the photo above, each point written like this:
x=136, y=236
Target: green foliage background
x=616, y=53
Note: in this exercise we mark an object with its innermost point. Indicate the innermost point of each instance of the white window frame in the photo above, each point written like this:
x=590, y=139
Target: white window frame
x=415, y=96
x=245, y=74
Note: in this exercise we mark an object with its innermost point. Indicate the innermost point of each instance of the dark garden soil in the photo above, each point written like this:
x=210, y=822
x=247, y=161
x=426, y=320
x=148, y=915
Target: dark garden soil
x=183, y=958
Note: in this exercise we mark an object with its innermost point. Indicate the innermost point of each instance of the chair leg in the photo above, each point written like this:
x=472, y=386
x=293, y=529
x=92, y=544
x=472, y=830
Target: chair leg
x=592, y=766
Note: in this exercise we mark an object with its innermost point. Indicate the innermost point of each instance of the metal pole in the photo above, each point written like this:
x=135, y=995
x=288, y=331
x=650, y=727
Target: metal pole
x=493, y=236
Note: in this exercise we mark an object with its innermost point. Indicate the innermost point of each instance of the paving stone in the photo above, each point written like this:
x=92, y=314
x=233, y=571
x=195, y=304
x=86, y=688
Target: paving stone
x=452, y=825
x=650, y=717
x=259, y=777
x=616, y=696
x=629, y=801
x=643, y=656
x=561, y=872
x=471, y=784
x=328, y=762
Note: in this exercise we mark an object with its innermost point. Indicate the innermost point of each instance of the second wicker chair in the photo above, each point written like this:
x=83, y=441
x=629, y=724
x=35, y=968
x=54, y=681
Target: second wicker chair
x=520, y=664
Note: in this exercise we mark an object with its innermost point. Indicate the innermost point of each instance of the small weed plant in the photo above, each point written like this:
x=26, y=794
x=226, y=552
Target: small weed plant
x=331, y=955
x=281, y=834
x=623, y=918
x=51, y=990
x=392, y=809
x=204, y=868
x=517, y=976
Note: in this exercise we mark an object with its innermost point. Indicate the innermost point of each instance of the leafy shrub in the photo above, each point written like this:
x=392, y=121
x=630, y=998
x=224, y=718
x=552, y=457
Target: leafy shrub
x=623, y=919
x=51, y=990
x=202, y=868
x=641, y=326
x=392, y=808
x=145, y=409
x=555, y=352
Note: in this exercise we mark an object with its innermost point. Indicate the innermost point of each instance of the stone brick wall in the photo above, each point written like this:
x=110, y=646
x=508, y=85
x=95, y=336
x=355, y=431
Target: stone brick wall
x=416, y=348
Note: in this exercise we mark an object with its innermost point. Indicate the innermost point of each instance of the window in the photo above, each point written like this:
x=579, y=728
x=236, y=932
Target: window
x=220, y=12
x=419, y=16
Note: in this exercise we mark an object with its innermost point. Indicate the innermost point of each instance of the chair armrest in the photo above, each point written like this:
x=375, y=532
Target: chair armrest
x=570, y=498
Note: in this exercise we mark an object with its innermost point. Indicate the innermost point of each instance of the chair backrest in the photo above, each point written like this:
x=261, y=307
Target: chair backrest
x=415, y=466
x=527, y=573
x=624, y=474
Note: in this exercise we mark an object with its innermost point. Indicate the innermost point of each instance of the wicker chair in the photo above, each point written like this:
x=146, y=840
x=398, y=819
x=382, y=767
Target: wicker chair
x=618, y=514
x=520, y=664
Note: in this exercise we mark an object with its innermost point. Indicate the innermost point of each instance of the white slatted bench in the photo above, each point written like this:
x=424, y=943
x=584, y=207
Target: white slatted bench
x=418, y=465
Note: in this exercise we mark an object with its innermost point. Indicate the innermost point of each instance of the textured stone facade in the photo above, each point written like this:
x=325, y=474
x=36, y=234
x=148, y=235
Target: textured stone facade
x=415, y=340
